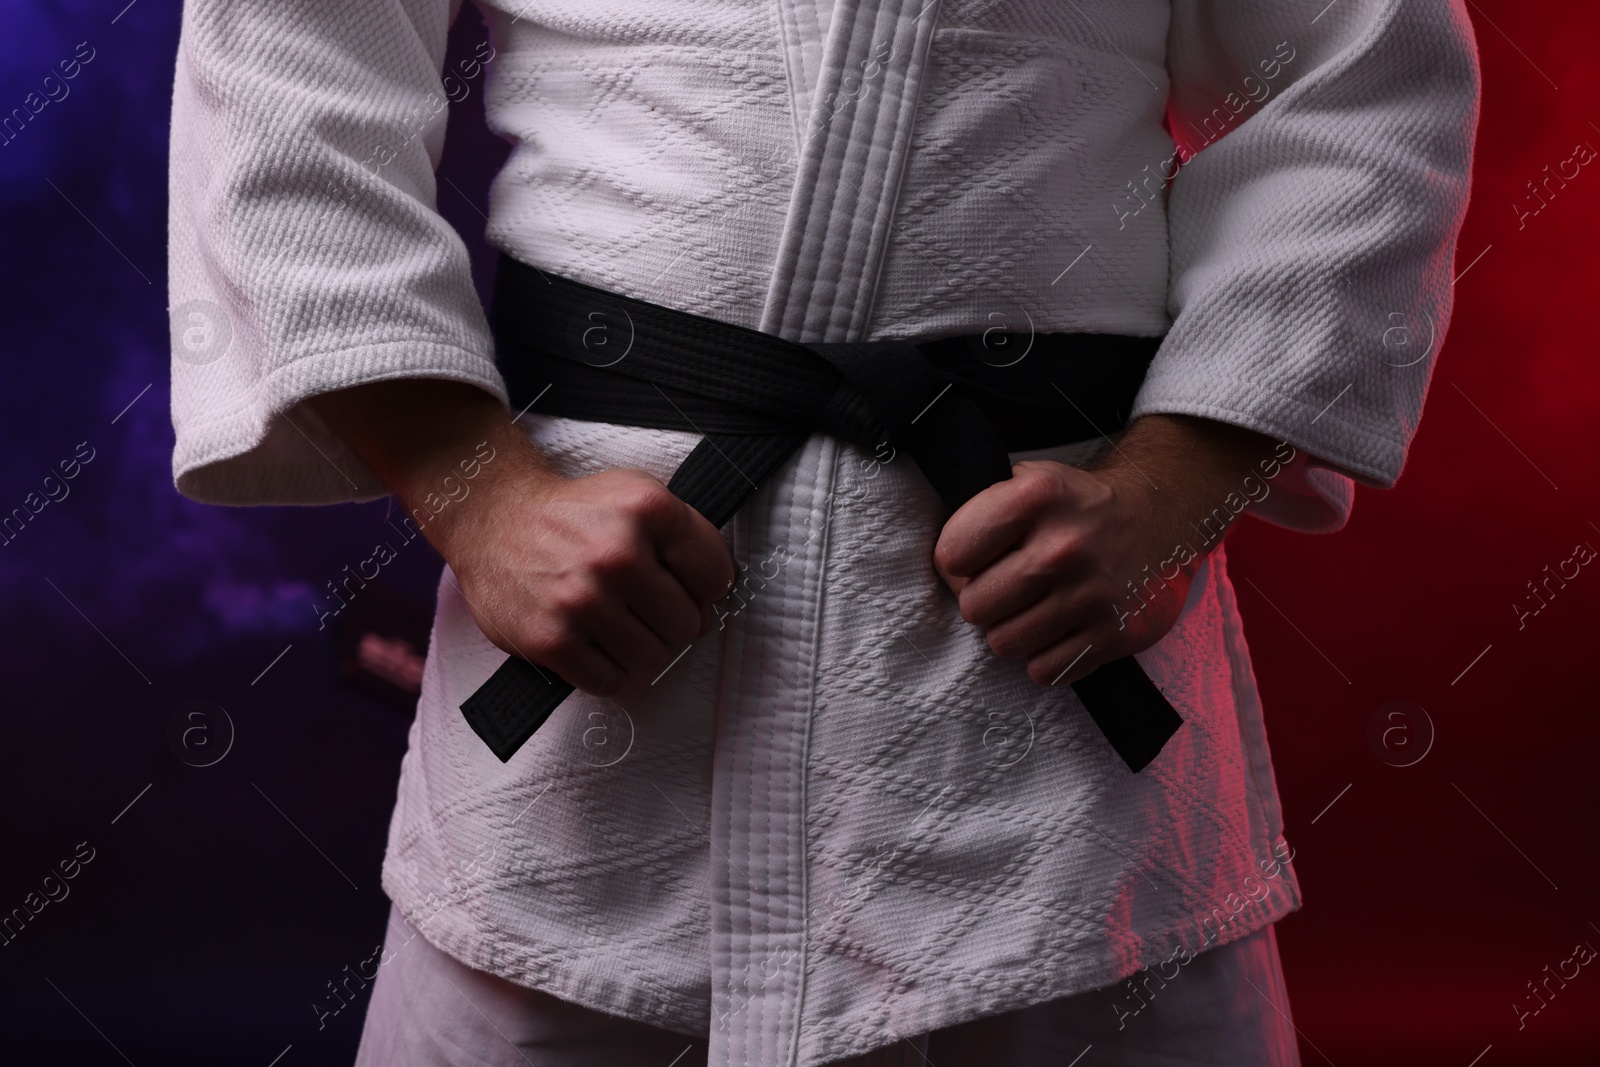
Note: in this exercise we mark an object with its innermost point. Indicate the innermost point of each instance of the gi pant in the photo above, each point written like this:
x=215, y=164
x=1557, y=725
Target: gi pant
x=1226, y=1007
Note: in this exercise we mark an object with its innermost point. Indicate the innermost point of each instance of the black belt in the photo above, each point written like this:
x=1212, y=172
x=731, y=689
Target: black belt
x=956, y=406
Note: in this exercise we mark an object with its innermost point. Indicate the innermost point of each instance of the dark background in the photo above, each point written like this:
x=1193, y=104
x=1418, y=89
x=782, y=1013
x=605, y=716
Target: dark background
x=222, y=900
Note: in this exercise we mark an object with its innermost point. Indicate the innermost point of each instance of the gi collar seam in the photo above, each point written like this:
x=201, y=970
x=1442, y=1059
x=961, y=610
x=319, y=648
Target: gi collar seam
x=829, y=468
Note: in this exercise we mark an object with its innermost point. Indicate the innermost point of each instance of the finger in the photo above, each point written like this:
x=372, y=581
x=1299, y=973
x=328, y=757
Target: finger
x=628, y=642
x=1048, y=560
x=1002, y=590
x=1039, y=628
x=661, y=602
x=953, y=582
x=697, y=556
x=1064, y=662
x=982, y=530
x=586, y=667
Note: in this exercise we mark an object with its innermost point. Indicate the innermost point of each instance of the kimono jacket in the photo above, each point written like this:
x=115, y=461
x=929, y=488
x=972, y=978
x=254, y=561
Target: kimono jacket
x=839, y=819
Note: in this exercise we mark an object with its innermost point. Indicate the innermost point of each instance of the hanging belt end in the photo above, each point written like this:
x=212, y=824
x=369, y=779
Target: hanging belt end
x=511, y=705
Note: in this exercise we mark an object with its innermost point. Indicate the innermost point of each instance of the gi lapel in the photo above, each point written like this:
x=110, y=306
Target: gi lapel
x=851, y=156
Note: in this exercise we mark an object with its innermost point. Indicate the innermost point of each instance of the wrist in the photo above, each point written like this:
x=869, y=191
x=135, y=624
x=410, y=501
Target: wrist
x=453, y=495
x=446, y=450
x=1182, y=469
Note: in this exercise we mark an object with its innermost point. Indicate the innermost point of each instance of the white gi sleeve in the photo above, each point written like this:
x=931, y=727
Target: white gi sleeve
x=305, y=253
x=1313, y=235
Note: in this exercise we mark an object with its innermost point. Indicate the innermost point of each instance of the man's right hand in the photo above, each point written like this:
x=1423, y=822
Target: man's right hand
x=603, y=579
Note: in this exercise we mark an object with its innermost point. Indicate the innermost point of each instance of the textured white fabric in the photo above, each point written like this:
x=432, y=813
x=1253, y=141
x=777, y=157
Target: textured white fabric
x=1226, y=1006
x=429, y=1010
x=656, y=153
x=824, y=828
x=920, y=834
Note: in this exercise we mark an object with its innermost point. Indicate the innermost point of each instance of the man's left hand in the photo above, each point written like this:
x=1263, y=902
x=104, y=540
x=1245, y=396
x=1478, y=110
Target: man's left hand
x=1042, y=561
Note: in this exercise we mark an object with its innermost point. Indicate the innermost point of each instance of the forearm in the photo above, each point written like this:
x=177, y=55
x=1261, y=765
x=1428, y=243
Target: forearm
x=427, y=440
x=1191, y=463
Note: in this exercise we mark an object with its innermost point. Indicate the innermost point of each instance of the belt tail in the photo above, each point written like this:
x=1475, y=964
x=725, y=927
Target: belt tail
x=1132, y=713
x=516, y=700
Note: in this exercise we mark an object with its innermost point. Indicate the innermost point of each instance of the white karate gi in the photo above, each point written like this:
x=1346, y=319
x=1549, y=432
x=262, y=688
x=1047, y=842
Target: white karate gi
x=840, y=819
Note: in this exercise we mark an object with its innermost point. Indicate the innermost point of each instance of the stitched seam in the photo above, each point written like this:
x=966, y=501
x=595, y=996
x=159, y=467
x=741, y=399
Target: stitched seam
x=831, y=454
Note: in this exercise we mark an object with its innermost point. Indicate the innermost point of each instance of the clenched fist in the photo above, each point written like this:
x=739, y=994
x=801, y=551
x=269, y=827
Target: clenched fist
x=603, y=580
x=1042, y=562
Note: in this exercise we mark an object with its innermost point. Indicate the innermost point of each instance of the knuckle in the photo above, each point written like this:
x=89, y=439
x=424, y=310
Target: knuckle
x=615, y=558
x=1100, y=493
x=1059, y=551
x=647, y=499
x=578, y=600
x=1036, y=488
